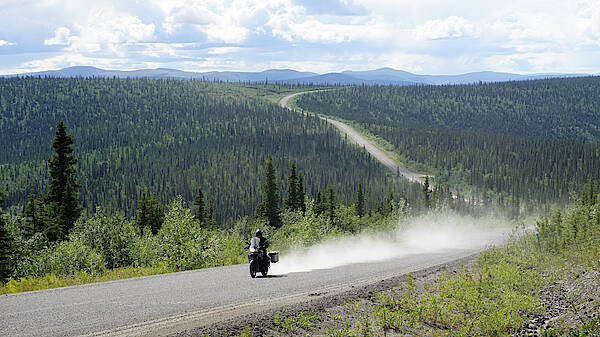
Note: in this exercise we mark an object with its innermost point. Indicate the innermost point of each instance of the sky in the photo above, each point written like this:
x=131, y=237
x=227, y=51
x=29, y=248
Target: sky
x=420, y=36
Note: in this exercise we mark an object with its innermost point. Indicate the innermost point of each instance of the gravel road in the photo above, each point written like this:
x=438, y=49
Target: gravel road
x=166, y=304
x=358, y=139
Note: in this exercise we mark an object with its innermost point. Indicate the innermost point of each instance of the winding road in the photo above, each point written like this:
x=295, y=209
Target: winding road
x=361, y=141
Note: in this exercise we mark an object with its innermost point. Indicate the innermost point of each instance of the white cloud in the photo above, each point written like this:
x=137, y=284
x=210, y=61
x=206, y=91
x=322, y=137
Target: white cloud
x=451, y=27
x=106, y=30
x=316, y=31
x=6, y=43
x=425, y=36
x=62, y=37
x=221, y=21
x=223, y=50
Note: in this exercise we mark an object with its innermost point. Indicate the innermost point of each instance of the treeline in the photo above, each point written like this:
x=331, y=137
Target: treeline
x=532, y=140
x=171, y=137
x=172, y=238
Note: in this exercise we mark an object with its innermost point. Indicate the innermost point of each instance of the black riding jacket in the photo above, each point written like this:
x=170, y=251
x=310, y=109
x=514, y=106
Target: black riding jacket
x=263, y=243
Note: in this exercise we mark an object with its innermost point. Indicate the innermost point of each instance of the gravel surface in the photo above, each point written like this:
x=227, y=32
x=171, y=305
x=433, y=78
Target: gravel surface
x=163, y=304
x=262, y=323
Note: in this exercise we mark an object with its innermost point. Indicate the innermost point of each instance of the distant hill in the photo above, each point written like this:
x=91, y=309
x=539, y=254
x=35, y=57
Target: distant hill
x=383, y=76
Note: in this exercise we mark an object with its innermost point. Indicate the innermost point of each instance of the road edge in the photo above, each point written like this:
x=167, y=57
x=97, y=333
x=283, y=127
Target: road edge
x=260, y=322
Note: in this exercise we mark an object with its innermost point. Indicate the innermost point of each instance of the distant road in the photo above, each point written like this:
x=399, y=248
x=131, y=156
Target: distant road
x=356, y=137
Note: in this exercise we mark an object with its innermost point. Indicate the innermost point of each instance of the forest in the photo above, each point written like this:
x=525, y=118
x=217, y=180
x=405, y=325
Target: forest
x=514, y=142
x=170, y=138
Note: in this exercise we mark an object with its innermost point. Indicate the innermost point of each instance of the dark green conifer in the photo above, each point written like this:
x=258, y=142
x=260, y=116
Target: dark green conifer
x=5, y=245
x=142, y=212
x=359, y=206
x=62, y=204
x=291, y=198
x=301, y=195
x=156, y=213
x=320, y=206
x=427, y=193
x=331, y=204
x=210, y=218
x=269, y=207
x=199, y=205
x=34, y=214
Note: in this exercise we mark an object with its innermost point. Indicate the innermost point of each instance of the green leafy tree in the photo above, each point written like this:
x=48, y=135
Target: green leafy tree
x=111, y=236
x=199, y=205
x=268, y=209
x=359, y=206
x=62, y=205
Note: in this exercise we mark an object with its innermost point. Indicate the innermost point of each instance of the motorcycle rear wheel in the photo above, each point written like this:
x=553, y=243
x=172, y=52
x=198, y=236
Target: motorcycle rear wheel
x=264, y=272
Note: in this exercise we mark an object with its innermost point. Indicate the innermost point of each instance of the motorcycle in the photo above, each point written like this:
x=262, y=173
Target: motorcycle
x=259, y=259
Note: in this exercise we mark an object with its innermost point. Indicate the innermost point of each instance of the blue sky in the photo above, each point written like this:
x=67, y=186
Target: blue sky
x=421, y=36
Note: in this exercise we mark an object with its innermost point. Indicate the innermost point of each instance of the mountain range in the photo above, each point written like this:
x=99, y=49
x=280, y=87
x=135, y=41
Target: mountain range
x=383, y=76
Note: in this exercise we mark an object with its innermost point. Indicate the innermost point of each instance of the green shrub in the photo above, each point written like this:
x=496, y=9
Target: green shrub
x=146, y=250
x=112, y=236
x=70, y=257
x=184, y=243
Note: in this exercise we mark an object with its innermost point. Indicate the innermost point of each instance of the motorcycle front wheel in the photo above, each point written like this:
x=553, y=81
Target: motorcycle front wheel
x=252, y=268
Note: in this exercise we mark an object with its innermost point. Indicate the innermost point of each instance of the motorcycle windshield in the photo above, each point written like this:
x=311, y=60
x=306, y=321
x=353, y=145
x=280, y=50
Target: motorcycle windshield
x=254, y=244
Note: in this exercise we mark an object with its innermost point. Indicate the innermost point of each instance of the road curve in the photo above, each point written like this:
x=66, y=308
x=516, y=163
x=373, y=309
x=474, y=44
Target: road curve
x=361, y=141
x=166, y=304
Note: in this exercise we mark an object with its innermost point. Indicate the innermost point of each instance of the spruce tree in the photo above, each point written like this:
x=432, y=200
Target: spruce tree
x=319, y=204
x=360, y=202
x=62, y=204
x=142, y=212
x=291, y=198
x=199, y=205
x=210, y=218
x=301, y=195
x=331, y=204
x=33, y=214
x=5, y=245
x=156, y=213
x=269, y=207
x=427, y=193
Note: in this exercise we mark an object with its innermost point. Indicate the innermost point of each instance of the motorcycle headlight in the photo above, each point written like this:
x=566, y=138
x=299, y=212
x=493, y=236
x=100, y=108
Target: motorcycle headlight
x=252, y=250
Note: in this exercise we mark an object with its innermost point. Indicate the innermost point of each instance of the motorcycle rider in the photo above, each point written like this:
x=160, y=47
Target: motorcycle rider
x=263, y=244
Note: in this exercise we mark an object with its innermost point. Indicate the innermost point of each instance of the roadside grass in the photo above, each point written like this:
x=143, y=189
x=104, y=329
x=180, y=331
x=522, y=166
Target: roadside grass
x=496, y=295
x=305, y=321
x=49, y=281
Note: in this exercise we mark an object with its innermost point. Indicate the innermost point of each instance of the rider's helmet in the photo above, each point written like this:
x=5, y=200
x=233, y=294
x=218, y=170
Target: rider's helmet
x=259, y=233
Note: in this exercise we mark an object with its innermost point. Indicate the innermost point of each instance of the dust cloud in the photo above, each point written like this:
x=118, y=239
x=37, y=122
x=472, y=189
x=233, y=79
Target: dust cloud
x=426, y=234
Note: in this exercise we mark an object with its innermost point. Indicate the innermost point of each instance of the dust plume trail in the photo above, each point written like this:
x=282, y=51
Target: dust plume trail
x=428, y=234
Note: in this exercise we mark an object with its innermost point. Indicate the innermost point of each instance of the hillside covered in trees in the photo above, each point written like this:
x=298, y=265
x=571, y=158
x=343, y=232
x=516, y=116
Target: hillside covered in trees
x=172, y=137
x=534, y=140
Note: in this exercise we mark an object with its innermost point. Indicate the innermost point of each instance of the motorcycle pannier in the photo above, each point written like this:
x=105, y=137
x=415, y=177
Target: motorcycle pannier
x=274, y=257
